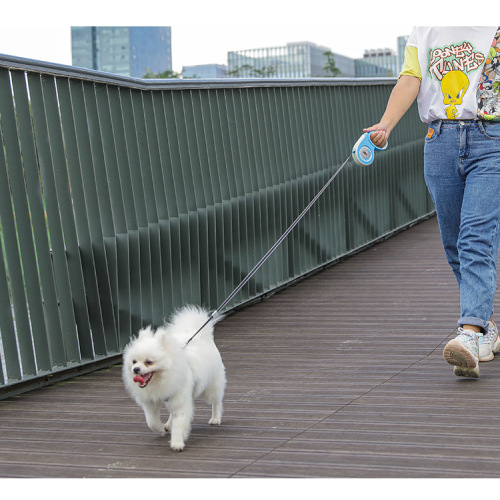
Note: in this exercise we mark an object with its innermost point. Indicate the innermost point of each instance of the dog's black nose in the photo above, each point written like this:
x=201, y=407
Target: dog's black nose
x=137, y=369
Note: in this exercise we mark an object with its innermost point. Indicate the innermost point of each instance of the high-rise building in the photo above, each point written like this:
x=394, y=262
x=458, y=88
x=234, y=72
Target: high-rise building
x=123, y=50
x=295, y=60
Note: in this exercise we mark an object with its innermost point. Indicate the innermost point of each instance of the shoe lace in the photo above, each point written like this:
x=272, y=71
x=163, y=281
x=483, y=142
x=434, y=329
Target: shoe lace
x=467, y=336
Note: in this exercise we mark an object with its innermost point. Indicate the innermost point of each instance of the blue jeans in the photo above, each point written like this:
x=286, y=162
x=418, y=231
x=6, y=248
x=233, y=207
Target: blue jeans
x=462, y=172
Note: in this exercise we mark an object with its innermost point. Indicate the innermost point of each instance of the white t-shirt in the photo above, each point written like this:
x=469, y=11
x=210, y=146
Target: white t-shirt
x=451, y=59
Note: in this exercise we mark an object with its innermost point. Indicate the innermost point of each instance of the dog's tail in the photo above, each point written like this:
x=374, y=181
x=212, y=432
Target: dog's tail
x=189, y=319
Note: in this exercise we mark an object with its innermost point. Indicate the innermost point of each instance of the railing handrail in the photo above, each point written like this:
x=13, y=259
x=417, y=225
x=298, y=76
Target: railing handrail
x=56, y=69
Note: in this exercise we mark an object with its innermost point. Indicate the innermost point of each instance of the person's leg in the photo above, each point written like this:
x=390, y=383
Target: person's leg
x=480, y=235
x=446, y=186
x=462, y=170
x=479, y=228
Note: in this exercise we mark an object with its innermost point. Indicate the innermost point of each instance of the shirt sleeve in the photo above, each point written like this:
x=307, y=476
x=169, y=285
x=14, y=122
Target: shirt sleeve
x=411, y=66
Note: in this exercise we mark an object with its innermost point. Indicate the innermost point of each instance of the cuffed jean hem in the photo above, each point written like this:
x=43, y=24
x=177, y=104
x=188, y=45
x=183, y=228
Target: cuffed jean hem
x=474, y=322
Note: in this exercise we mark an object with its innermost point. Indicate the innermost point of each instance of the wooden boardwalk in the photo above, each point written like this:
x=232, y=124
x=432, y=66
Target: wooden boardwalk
x=340, y=375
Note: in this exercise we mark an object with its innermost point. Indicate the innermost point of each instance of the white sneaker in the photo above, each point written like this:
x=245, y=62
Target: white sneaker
x=489, y=343
x=463, y=353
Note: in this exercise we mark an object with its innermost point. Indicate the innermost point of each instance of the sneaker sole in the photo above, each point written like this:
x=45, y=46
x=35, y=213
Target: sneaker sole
x=460, y=371
x=465, y=364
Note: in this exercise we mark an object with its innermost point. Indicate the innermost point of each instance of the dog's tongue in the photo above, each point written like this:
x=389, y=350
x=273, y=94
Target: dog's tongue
x=139, y=379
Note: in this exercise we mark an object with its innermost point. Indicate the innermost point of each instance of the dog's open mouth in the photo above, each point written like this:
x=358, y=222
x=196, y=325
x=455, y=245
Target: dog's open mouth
x=143, y=380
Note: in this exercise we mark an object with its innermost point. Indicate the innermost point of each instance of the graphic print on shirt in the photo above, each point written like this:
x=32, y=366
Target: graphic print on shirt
x=451, y=65
x=488, y=92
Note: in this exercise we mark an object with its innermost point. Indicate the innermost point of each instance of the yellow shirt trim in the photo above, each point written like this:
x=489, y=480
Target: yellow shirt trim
x=411, y=66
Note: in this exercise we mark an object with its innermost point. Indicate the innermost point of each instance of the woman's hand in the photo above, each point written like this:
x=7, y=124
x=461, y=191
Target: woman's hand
x=379, y=135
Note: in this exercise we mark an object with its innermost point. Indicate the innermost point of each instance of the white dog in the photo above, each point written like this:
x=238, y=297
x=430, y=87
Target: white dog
x=158, y=368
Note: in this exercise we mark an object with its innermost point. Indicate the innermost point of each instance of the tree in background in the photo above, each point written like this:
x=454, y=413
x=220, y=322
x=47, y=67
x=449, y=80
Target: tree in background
x=264, y=72
x=166, y=74
x=330, y=67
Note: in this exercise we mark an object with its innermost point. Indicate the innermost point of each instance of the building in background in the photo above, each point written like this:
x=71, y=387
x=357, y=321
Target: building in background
x=294, y=60
x=205, y=71
x=123, y=50
x=401, y=51
x=382, y=62
x=143, y=50
x=378, y=63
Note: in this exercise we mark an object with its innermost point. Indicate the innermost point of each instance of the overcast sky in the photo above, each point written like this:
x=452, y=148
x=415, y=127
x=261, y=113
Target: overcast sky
x=204, y=31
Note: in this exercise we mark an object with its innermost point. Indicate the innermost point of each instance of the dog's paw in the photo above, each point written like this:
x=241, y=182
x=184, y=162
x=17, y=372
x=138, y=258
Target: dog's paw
x=177, y=445
x=215, y=421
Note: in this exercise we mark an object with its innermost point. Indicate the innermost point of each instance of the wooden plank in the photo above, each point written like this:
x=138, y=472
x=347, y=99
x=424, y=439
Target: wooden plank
x=340, y=375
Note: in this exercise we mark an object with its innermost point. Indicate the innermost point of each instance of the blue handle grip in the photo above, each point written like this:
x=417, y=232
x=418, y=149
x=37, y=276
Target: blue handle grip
x=363, y=151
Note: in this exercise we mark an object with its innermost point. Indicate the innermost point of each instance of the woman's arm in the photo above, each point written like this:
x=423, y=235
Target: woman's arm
x=400, y=100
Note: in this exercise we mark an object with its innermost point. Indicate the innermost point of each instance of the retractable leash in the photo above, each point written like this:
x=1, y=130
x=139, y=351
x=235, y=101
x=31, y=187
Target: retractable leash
x=363, y=153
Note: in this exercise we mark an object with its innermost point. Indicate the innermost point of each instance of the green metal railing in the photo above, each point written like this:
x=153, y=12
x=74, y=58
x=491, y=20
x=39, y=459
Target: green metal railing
x=121, y=199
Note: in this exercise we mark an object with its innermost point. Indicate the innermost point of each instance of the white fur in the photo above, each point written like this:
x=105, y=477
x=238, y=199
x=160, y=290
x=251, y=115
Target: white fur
x=181, y=374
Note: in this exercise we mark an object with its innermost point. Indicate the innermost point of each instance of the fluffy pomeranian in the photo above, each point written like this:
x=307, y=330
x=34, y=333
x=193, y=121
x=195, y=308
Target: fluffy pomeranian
x=159, y=368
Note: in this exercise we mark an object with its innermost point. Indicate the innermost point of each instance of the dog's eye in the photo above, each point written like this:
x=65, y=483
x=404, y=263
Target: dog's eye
x=148, y=362
x=134, y=361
